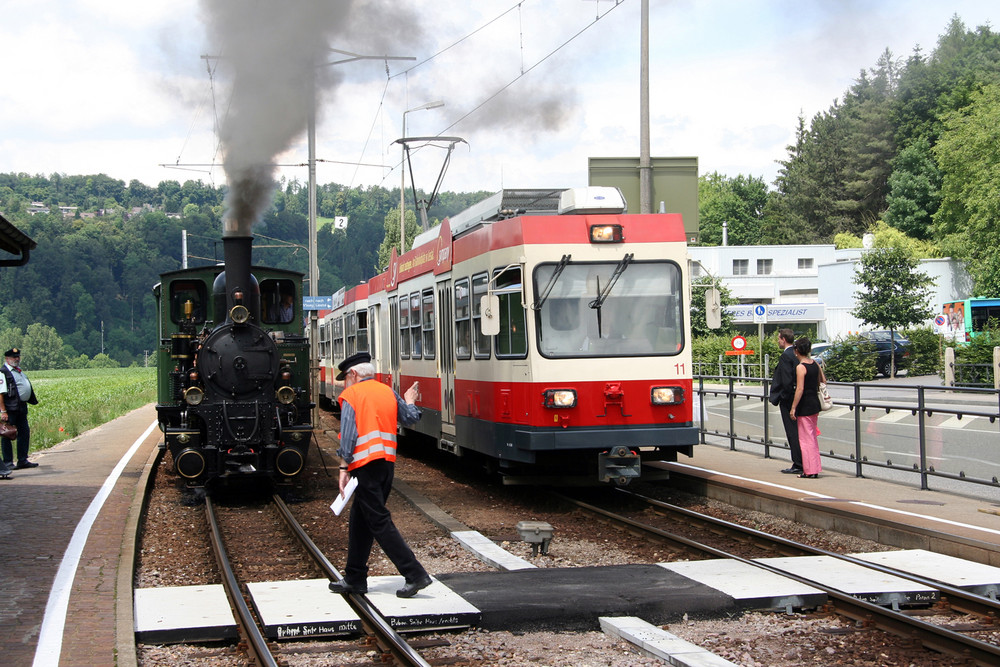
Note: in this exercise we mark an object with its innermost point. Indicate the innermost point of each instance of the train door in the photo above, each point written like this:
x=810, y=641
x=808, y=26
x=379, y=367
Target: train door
x=446, y=359
x=371, y=338
x=393, y=329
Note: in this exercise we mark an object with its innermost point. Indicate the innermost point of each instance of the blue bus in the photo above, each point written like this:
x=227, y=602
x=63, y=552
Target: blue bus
x=963, y=320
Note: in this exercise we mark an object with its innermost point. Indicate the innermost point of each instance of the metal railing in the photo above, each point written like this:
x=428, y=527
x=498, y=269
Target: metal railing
x=906, y=428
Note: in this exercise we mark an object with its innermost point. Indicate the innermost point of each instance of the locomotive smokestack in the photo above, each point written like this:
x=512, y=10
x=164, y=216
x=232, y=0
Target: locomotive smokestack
x=237, y=251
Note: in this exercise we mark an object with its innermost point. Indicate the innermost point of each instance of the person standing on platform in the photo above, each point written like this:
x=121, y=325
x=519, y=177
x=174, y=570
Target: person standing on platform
x=805, y=407
x=782, y=393
x=369, y=417
x=17, y=394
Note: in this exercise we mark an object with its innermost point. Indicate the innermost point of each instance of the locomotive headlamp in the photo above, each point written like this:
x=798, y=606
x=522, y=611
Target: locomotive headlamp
x=606, y=234
x=666, y=395
x=285, y=395
x=559, y=398
x=194, y=395
x=286, y=375
x=239, y=314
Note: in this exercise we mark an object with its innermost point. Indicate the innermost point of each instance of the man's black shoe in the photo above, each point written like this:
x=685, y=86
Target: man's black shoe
x=342, y=587
x=21, y=465
x=410, y=589
x=792, y=471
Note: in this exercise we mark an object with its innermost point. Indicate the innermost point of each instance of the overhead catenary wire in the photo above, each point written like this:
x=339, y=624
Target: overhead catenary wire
x=524, y=72
x=381, y=104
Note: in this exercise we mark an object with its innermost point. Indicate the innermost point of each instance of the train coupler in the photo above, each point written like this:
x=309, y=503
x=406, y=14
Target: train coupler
x=619, y=465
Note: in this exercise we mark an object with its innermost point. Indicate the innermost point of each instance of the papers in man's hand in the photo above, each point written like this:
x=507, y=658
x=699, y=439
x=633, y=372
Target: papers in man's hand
x=341, y=500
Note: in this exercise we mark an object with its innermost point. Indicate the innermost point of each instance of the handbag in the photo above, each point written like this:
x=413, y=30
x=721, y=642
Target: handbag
x=8, y=430
x=825, y=400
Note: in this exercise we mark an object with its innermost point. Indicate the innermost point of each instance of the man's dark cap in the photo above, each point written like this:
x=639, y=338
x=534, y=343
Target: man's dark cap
x=351, y=361
x=12, y=352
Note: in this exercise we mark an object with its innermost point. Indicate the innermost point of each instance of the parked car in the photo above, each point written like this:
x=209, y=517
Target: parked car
x=888, y=344
x=820, y=351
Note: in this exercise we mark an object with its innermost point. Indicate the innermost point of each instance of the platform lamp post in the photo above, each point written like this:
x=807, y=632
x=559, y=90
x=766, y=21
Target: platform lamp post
x=402, y=177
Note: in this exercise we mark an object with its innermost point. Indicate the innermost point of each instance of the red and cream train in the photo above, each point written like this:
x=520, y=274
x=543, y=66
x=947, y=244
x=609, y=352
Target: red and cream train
x=549, y=331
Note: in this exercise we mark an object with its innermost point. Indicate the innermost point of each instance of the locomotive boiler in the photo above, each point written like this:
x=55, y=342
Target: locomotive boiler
x=233, y=397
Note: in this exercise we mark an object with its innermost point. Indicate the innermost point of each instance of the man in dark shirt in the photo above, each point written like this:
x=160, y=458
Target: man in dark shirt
x=782, y=393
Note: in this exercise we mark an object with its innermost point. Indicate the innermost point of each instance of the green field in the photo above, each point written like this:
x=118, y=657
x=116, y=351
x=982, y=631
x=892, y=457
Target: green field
x=73, y=401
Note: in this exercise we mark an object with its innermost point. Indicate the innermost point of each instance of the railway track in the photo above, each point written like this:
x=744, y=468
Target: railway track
x=929, y=635
x=380, y=636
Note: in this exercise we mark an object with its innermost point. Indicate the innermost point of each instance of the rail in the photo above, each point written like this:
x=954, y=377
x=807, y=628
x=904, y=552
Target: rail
x=889, y=439
x=392, y=646
x=256, y=644
x=931, y=636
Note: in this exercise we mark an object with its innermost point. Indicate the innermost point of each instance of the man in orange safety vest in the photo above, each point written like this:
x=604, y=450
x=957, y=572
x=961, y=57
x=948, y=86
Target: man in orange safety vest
x=369, y=415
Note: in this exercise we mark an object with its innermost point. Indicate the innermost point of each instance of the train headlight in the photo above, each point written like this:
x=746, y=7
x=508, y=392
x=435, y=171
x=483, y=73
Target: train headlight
x=239, y=314
x=559, y=398
x=607, y=234
x=666, y=395
x=285, y=395
x=194, y=395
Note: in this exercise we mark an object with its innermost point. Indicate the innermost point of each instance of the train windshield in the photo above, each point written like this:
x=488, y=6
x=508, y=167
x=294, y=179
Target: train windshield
x=640, y=314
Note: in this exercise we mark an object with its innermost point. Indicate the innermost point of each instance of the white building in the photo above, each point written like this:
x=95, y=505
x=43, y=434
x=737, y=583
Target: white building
x=809, y=285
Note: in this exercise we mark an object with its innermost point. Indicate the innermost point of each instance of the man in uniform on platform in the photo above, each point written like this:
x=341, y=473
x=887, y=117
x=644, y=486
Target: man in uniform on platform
x=17, y=393
x=782, y=394
x=369, y=415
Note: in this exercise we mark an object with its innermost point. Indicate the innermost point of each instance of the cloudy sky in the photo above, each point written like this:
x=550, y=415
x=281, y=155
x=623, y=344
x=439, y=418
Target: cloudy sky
x=124, y=88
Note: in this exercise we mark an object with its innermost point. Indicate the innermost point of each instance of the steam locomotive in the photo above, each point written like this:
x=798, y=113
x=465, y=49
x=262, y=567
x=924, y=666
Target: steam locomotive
x=233, y=397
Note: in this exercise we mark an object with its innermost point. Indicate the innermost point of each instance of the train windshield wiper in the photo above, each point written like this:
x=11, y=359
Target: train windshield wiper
x=602, y=295
x=552, y=282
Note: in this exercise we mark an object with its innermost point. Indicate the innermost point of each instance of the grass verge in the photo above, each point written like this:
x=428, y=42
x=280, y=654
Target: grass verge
x=73, y=401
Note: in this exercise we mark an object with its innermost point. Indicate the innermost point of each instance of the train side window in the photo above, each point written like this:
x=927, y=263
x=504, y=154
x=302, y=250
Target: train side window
x=415, y=342
x=350, y=334
x=187, y=301
x=277, y=301
x=481, y=343
x=512, y=341
x=363, y=331
x=404, y=327
x=338, y=338
x=427, y=323
x=463, y=322
x=324, y=340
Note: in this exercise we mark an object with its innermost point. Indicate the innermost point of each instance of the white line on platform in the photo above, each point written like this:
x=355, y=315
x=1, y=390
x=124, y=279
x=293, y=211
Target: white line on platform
x=852, y=502
x=51, y=635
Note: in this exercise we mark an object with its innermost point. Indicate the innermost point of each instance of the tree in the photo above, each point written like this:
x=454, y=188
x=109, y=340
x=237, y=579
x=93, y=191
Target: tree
x=391, y=239
x=739, y=202
x=894, y=293
x=699, y=327
x=914, y=190
x=44, y=349
x=968, y=154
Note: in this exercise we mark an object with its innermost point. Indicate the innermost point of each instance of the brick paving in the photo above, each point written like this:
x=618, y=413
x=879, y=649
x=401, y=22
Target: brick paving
x=41, y=509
